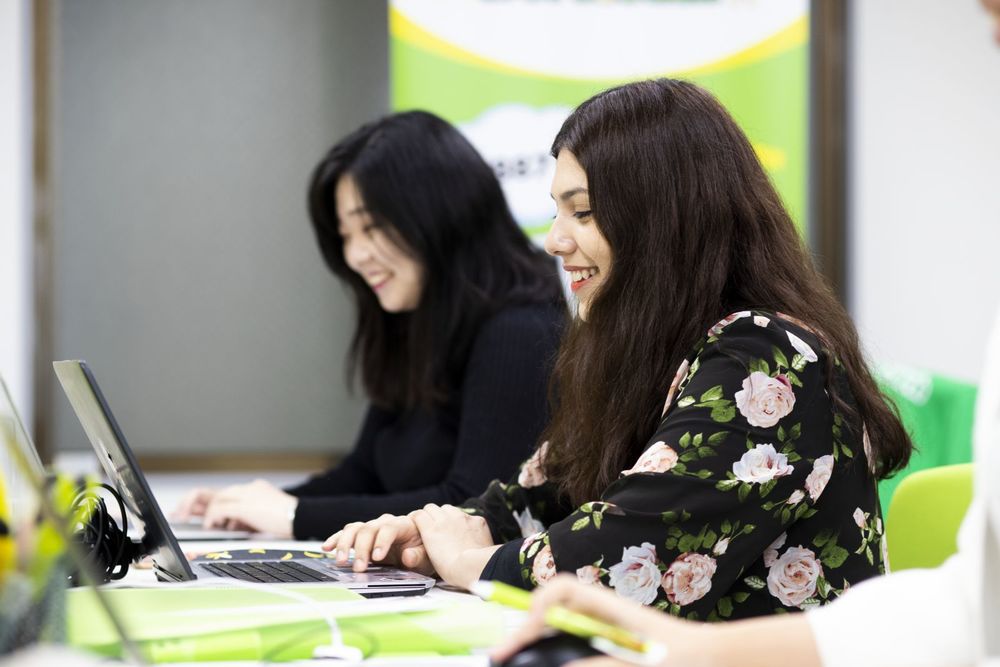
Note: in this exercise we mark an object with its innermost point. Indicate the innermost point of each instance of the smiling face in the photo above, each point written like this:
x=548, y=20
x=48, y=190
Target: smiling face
x=393, y=274
x=574, y=236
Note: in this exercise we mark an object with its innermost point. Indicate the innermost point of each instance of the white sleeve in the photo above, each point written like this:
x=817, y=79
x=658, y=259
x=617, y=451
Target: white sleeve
x=913, y=618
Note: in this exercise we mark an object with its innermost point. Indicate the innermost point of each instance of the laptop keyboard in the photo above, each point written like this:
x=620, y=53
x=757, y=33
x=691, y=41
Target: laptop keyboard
x=287, y=572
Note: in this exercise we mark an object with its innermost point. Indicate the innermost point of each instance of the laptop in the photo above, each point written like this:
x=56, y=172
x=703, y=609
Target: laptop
x=118, y=461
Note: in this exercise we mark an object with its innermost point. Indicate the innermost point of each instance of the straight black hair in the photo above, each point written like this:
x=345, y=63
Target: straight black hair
x=439, y=200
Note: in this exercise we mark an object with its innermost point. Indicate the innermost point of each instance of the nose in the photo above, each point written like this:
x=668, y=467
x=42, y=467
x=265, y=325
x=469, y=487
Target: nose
x=559, y=240
x=357, y=252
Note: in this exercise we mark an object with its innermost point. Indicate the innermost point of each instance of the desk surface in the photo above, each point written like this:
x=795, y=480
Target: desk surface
x=169, y=488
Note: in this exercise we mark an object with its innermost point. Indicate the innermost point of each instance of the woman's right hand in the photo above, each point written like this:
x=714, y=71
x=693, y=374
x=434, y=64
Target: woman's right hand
x=387, y=540
x=194, y=503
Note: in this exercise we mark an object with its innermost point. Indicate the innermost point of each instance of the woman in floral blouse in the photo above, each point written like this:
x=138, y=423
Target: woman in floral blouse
x=709, y=454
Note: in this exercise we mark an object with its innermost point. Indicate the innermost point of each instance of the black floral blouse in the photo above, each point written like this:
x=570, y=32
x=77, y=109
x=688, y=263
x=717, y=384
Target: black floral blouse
x=753, y=496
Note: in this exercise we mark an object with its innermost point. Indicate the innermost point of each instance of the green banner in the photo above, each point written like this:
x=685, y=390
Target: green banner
x=508, y=72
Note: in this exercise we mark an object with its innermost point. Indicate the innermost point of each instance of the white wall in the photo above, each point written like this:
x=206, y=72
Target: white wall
x=924, y=250
x=15, y=174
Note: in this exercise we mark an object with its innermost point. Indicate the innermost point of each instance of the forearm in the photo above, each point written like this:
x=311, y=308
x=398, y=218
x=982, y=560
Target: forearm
x=770, y=641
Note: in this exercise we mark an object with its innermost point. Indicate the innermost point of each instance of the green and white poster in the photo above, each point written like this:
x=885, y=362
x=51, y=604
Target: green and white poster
x=508, y=72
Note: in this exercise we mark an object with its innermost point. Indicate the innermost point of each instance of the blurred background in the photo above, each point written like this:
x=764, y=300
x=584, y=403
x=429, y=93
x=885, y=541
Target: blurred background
x=154, y=159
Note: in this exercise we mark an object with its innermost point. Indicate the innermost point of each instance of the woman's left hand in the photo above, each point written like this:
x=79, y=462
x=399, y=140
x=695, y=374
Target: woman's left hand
x=259, y=506
x=458, y=544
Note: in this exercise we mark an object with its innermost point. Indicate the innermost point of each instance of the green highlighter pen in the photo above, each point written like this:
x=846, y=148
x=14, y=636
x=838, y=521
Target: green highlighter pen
x=563, y=619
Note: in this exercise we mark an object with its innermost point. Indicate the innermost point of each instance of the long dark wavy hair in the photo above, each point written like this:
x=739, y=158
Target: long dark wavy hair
x=436, y=197
x=696, y=232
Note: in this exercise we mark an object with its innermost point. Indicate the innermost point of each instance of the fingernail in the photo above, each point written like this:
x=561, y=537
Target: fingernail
x=341, y=555
x=377, y=554
x=358, y=565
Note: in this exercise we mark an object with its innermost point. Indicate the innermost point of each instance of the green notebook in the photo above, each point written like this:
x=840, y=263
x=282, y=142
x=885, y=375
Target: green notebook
x=172, y=624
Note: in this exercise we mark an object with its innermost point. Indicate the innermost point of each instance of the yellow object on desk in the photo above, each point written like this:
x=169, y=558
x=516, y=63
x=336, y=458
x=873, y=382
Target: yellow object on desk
x=573, y=622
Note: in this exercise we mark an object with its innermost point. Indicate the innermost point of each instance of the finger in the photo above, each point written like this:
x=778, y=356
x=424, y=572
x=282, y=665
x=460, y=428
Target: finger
x=421, y=519
x=363, y=542
x=416, y=559
x=346, y=541
x=331, y=542
x=528, y=633
x=384, y=541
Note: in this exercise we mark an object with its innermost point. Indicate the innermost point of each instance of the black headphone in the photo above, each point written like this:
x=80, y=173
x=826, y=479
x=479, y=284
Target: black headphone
x=106, y=548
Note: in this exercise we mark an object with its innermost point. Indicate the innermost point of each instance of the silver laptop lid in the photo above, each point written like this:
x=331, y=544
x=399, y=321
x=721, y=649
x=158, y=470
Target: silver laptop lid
x=121, y=467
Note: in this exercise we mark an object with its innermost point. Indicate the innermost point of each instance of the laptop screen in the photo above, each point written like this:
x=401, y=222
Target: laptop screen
x=121, y=466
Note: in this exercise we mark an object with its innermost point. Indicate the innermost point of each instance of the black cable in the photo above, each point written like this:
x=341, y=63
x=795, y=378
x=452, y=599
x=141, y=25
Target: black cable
x=106, y=546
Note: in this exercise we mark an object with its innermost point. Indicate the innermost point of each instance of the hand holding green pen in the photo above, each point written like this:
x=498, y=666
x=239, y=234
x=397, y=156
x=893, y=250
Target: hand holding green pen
x=606, y=637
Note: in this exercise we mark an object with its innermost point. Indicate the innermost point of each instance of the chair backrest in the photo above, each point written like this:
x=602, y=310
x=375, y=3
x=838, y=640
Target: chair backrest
x=926, y=511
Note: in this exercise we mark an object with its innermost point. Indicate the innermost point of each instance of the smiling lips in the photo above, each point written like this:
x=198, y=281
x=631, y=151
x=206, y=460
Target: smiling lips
x=379, y=282
x=580, y=275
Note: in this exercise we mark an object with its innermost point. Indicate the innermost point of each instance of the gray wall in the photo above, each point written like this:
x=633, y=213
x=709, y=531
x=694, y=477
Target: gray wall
x=186, y=271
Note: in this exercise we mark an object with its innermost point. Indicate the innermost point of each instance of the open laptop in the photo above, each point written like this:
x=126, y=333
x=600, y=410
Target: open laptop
x=123, y=470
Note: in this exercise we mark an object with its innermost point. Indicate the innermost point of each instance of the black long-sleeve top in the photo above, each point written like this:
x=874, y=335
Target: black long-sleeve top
x=404, y=460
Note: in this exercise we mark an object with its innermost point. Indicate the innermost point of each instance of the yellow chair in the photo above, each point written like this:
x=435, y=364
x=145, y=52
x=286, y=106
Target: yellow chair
x=926, y=511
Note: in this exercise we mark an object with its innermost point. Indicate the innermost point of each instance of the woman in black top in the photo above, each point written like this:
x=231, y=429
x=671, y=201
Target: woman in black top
x=459, y=318
x=709, y=453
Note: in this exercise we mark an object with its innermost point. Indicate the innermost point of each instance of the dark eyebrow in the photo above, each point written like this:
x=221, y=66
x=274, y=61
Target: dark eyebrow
x=360, y=210
x=569, y=194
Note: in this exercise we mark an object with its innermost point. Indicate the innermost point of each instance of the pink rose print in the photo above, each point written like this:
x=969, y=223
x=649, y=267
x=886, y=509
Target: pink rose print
x=531, y=474
x=689, y=578
x=679, y=376
x=726, y=321
x=761, y=464
x=637, y=576
x=792, y=577
x=660, y=457
x=589, y=574
x=544, y=566
x=771, y=553
x=819, y=477
x=764, y=400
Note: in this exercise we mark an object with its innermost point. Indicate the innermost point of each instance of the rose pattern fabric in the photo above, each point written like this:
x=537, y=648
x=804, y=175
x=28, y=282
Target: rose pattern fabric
x=742, y=502
x=637, y=575
x=658, y=458
x=761, y=464
x=531, y=474
x=689, y=578
x=793, y=577
x=765, y=400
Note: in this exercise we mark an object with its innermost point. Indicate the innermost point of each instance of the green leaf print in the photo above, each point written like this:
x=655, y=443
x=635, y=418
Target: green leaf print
x=725, y=607
x=832, y=555
x=747, y=529
x=767, y=487
x=723, y=414
x=741, y=596
x=598, y=517
x=717, y=439
x=581, y=523
x=671, y=543
x=823, y=588
x=685, y=440
x=710, y=539
x=713, y=394
x=793, y=378
x=698, y=438
x=779, y=357
x=533, y=549
x=744, y=491
x=822, y=538
x=759, y=366
x=799, y=362
x=781, y=434
x=755, y=583
x=685, y=402
x=795, y=431
x=727, y=484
